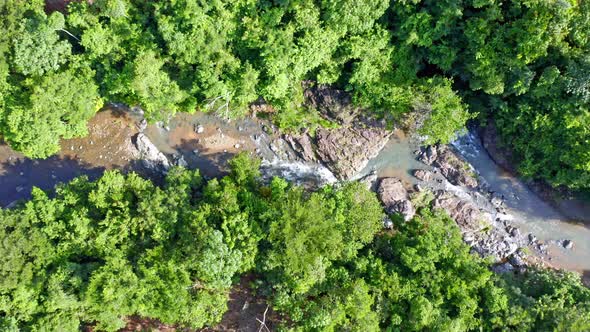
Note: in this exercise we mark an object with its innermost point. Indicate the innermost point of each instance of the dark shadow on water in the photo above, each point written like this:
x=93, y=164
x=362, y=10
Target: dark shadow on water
x=586, y=278
x=19, y=176
x=210, y=163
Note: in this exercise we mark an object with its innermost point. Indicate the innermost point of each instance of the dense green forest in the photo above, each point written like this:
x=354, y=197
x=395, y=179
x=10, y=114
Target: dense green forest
x=524, y=65
x=100, y=251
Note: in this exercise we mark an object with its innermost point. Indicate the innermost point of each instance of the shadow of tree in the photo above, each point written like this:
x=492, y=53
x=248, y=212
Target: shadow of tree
x=211, y=163
x=19, y=176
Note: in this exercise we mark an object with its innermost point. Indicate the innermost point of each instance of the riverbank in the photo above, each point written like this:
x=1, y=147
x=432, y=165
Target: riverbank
x=568, y=203
x=519, y=228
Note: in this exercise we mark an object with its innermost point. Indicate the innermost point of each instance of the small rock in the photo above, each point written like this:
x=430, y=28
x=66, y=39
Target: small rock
x=532, y=238
x=503, y=268
x=515, y=232
x=199, y=129
x=224, y=151
x=196, y=151
x=517, y=261
x=19, y=189
x=496, y=201
x=387, y=223
x=180, y=161
x=237, y=146
x=141, y=126
x=568, y=244
x=240, y=128
x=21, y=173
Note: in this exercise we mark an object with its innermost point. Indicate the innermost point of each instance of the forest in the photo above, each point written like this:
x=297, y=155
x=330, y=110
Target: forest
x=92, y=253
x=100, y=251
x=522, y=66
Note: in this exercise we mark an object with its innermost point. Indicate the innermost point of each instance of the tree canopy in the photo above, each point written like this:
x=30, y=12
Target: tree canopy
x=522, y=65
x=94, y=253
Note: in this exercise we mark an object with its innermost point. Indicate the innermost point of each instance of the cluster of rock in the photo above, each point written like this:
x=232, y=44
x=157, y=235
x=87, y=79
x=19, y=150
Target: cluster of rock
x=395, y=198
x=345, y=150
x=481, y=217
x=453, y=168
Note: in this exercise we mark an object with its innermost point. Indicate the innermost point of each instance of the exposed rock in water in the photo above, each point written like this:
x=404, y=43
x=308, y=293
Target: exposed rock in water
x=395, y=197
x=346, y=151
x=467, y=215
x=152, y=158
x=303, y=145
x=429, y=155
x=423, y=175
x=453, y=168
x=568, y=244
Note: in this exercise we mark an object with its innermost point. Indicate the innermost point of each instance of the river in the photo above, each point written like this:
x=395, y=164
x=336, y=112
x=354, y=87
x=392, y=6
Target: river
x=109, y=146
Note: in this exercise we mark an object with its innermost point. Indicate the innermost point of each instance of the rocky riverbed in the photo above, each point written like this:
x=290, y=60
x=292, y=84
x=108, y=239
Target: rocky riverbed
x=404, y=175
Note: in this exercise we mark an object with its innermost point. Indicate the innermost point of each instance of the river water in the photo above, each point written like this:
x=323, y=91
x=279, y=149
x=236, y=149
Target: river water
x=109, y=146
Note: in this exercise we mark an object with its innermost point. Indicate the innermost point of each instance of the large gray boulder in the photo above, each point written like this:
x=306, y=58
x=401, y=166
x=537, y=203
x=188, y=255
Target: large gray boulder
x=152, y=158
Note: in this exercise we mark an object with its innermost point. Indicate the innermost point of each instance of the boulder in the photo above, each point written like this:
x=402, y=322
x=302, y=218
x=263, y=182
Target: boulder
x=423, y=175
x=346, y=151
x=152, y=157
x=395, y=197
x=455, y=170
x=303, y=146
x=517, y=261
x=429, y=155
x=467, y=216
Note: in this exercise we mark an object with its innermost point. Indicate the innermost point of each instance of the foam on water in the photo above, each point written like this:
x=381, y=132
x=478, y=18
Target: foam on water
x=298, y=173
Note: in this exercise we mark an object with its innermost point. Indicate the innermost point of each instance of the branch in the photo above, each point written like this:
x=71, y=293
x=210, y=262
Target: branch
x=69, y=33
x=263, y=321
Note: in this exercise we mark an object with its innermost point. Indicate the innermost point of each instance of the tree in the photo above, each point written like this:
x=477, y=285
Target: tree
x=37, y=45
x=153, y=88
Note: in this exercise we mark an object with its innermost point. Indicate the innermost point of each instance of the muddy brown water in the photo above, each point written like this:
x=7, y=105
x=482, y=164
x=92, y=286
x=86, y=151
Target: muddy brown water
x=107, y=146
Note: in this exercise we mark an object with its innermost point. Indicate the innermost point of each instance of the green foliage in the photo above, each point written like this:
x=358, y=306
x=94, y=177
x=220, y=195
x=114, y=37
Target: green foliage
x=100, y=251
x=153, y=88
x=308, y=234
x=58, y=106
x=97, y=252
x=37, y=45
